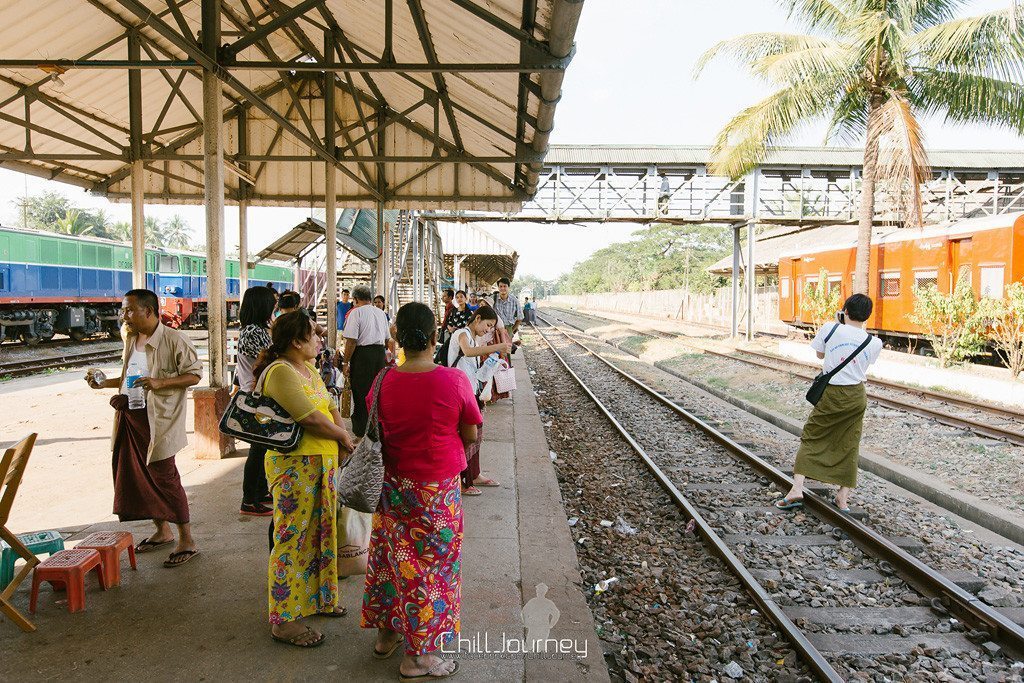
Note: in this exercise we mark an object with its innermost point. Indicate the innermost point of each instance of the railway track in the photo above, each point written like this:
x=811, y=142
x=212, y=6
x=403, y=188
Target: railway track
x=956, y=411
x=67, y=360
x=704, y=470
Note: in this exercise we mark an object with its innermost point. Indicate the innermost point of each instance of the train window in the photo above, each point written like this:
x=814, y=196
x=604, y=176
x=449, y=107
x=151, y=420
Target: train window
x=188, y=265
x=784, y=287
x=925, y=278
x=890, y=285
x=169, y=264
x=835, y=284
x=992, y=280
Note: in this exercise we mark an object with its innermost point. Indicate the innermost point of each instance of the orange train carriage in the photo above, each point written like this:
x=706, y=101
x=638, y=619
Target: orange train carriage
x=988, y=251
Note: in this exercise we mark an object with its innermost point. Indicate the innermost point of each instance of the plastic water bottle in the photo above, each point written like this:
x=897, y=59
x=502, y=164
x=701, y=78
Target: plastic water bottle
x=136, y=395
x=486, y=371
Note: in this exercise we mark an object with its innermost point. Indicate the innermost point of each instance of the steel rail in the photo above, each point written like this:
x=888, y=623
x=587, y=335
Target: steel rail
x=810, y=654
x=896, y=386
x=1009, y=435
x=923, y=578
x=30, y=367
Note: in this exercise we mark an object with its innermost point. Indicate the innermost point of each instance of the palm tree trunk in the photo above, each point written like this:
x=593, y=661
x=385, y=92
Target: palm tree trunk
x=866, y=212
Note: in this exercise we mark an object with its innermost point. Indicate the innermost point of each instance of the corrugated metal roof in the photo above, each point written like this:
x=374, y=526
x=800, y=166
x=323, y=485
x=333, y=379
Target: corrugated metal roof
x=485, y=105
x=693, y=155
x=480, y=252
x=357, y=234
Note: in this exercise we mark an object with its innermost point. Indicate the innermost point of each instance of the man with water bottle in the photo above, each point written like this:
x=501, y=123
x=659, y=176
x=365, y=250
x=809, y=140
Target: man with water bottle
x=159, y=365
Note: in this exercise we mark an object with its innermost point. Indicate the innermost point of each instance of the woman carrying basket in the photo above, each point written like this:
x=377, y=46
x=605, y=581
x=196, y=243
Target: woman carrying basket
x=830, y=443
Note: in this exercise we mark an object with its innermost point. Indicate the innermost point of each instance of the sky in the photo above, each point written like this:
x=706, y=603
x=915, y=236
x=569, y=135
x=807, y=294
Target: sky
x=631, y=81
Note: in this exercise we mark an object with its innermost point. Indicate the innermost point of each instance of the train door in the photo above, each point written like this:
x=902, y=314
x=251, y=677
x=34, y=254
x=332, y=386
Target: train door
x=960, y=262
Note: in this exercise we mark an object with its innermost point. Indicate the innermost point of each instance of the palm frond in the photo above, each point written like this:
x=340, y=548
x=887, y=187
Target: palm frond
x=850, y=119
x=969, y=98
x=823, y=15
x=743, y=143
x=987, y=44
x=902, y=159
x=751, y=47
x=834, y=61
x=925, y=13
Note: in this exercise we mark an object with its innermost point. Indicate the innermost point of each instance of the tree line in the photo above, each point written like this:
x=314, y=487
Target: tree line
x=53, y=212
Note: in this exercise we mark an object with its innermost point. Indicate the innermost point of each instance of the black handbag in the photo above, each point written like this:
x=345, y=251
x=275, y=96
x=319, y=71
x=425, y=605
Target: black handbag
x=817, y=388
x=260, y=420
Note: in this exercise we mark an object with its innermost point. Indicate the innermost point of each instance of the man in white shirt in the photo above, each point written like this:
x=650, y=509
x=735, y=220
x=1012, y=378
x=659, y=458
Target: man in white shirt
x=366, y=334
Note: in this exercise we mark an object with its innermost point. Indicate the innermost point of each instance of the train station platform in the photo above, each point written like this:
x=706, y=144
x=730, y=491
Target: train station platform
x=207, y=619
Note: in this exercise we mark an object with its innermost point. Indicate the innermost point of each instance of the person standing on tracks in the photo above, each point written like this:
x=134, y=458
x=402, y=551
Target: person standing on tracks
x=830, y=443
x=366, y=334
x=145, y=441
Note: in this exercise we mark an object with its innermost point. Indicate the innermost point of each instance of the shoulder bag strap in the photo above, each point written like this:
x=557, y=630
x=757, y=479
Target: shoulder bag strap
x=257, y=389
x=371, y=421
x=832, y=373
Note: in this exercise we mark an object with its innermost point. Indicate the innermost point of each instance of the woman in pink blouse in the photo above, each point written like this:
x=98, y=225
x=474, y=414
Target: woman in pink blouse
x=428, y=414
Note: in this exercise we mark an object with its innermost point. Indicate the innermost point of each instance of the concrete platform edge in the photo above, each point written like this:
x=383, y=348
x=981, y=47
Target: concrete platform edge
x=549, y=558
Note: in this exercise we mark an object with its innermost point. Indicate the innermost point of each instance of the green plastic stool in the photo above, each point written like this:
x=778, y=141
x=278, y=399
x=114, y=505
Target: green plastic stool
x=40, y=542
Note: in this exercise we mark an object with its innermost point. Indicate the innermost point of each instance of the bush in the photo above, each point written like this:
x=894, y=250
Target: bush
x=951, y=321
x=1004, y=326
x=820, y=301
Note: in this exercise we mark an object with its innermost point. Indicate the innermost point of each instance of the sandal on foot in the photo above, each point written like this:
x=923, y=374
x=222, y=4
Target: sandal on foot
x=430, y=675
x=145, y=545
x=844, y=510
x=179, y=558
x=255, y=510
x=336, y=614
x=787, y=504
x=486, y=482
x=471, y=491
x=377, y=654
x=294, y=640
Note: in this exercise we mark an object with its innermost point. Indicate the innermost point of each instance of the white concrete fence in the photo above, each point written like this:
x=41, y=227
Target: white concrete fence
x=679, y=304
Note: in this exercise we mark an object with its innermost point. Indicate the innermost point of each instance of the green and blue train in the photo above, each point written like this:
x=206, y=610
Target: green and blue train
x=52, y=283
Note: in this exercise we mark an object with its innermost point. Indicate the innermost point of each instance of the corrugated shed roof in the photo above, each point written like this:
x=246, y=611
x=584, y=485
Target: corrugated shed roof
x=480, y=252
x=779, y=157
x=357, y=234
x=87, y=112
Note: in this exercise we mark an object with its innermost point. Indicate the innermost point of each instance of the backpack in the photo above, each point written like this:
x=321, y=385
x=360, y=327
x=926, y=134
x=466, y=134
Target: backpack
x=441, y=355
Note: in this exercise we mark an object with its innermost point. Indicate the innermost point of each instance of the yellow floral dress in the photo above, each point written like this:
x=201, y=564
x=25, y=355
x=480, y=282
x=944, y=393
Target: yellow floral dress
x=303, y=571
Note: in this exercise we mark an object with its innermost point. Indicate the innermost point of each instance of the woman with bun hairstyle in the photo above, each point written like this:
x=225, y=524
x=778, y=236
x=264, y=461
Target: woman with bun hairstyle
x=303, y=571
x=428, y=414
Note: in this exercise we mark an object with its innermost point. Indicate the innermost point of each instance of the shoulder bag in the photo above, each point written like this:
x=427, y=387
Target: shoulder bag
x=817, y=389
x=260, y=420
x=361, y=476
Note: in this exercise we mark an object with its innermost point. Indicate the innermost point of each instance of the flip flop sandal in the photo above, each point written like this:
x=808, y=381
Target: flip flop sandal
x=471, y=491
x=334, y=615
x=391, y=650
x=147, y=545
x=845, y=510
x=294, y=640
x=186, y=555
x=430, y=675
x=486, y=482
x=787, y=504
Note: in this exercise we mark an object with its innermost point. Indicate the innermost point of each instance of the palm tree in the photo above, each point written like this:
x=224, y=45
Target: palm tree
x=74, y=222
x=154, y=230
x=120, y=231
x=873, y=68
x=176, y=232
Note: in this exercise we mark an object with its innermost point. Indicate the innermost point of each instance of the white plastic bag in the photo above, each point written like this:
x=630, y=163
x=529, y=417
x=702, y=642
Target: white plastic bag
x=353, y=541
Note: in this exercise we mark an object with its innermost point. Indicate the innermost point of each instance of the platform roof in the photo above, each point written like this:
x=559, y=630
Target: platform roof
x=437, y=103
x=481, y=253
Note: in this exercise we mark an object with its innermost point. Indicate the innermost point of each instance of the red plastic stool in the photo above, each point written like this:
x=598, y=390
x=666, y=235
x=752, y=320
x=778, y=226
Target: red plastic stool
x=110, y=545
x=67, y=569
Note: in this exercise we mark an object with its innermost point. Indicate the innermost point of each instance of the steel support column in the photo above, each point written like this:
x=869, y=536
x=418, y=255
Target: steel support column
x=330, y=198
x=735, y=281
x=382, y=247
x=243, y=247
x=137, y=168
x=751, y=278
x=213, y=177
x=138, y=227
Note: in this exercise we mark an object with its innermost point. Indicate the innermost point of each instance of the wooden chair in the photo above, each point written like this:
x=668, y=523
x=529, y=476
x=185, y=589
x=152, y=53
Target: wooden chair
x=12, y=468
